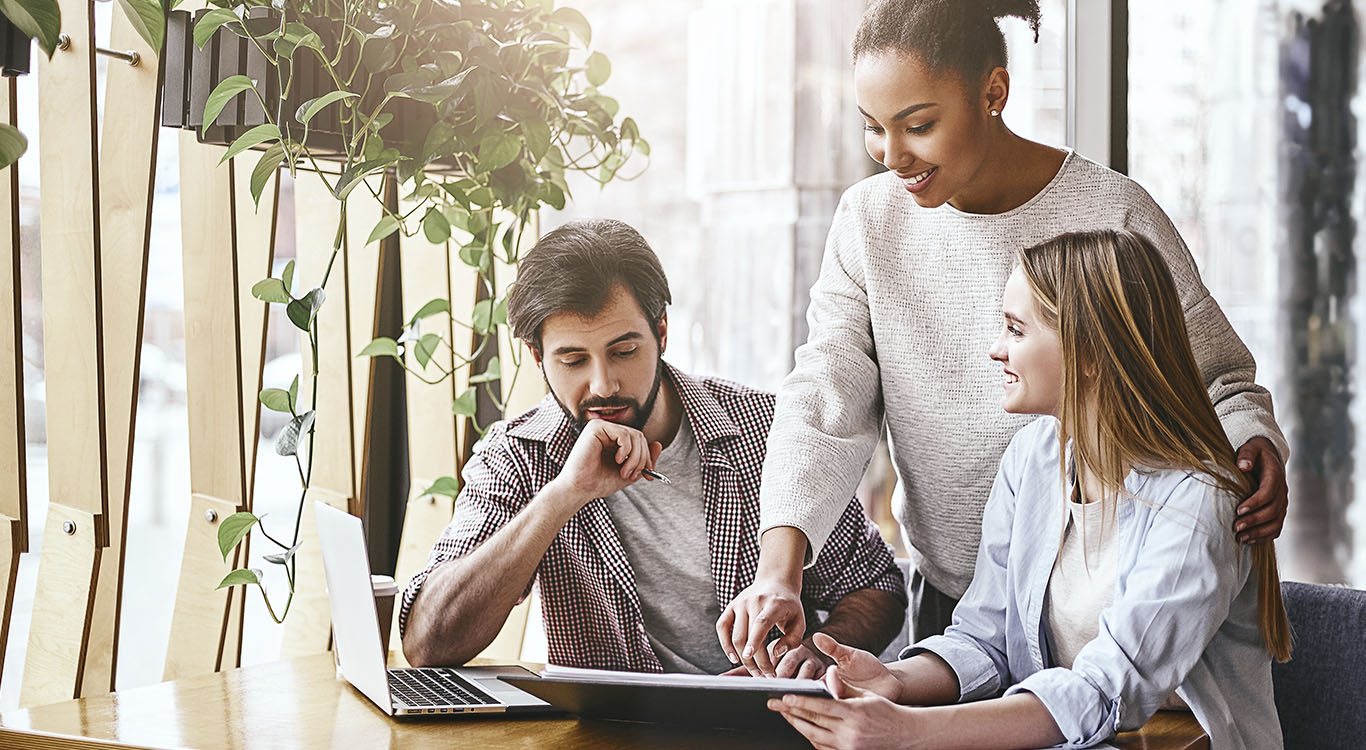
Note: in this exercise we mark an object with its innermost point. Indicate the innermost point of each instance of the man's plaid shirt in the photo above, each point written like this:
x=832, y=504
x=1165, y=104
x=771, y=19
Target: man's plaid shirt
x=588, y=591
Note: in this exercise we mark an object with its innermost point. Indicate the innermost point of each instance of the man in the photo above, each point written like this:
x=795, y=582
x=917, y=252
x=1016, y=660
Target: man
x=633, y=573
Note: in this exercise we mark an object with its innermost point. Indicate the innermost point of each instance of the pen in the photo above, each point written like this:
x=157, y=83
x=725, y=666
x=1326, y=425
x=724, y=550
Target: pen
x=655, y=475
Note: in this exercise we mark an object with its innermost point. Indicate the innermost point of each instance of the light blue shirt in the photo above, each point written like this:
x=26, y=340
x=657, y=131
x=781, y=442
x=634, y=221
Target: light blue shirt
x=1184, y=615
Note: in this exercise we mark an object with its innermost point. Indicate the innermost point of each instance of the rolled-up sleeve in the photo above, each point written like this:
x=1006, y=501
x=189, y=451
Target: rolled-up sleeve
x=1188, y=570
x=974, y=645
x=494, y=490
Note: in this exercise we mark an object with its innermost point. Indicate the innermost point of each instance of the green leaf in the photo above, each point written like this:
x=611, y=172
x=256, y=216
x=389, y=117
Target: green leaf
x=294, y=393
x=537, y=134
x=473, y=255
x=435, y=226
x=302, y=311
x=239, y=577
x=276, y=400
x=287, y=444
x=148, y=19
x=482, y=315
x=282, y=558
x=270, y=290
x=493, y=372
x=308, y=109
x=257, y=135
x=598, y=68
x=209, y=23
x=447, y=486
x=287, y=278
x=380, y=347
x=500, y=312
x=220, y=96
x=296, y=35
x=481, y=196
x=498, y=151
x=574, y=21
x=40, y=19
x=425, y=348
x=232, y=529
x=466, y=403
x=387, y=225
x=265, y=169
x=13, y=144
x=434, y=307
x=356, y=173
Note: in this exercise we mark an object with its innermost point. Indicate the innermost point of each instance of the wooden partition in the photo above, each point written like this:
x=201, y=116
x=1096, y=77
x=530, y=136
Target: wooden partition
x=343, y=392
x=13, y=471
x=128, y=148
x=214, y=397
x=76, y=529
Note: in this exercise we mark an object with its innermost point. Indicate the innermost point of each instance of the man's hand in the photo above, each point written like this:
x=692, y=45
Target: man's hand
x=745, y=624
x=605, y=458
x=1261, y=516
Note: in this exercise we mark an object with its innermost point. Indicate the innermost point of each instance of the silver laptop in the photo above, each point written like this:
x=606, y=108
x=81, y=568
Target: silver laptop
x=360, y=657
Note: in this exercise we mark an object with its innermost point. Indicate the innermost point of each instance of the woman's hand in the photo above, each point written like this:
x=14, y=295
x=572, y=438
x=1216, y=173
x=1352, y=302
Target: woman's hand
x=856, y=672
x=1261, y=516
x=861, y=723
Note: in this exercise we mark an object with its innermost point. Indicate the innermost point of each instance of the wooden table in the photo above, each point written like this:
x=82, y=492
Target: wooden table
x=301, y=703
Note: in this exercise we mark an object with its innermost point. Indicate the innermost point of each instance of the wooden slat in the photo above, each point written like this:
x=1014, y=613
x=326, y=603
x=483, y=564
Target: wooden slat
x=57, y=639
x=127, y=168
x=525, y=388
x=256, y=225
x=13, y=464
x=317, y=214
x=213, y=368
x=309, y=624
x=362, y=271
x=73, y=351
x=199, y=574
x=433, y=431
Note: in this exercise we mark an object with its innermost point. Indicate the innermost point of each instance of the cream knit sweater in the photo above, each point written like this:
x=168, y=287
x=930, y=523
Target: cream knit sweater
x=907, y=304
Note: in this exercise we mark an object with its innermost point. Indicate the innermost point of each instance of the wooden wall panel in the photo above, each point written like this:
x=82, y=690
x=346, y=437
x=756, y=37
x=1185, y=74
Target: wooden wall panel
x=73, y=350
x=309, y=625
x=256, y=225
x=13, y=468
x=525, y=388
x=333, y=470
x=213, y=367
x=363, y=268
x=127, y=169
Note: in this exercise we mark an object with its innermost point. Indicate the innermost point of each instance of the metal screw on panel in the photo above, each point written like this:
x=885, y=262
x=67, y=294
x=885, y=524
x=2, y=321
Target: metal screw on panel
x=211, y=515
x=63, y=41
x=69, y=527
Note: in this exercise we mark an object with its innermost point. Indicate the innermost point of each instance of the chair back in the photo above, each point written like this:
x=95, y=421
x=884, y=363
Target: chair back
x=1321, y=691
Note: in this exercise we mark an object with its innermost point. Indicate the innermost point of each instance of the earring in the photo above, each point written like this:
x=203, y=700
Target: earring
x=995, y=113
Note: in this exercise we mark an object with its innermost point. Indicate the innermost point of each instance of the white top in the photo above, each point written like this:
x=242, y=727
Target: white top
x=905, y=309
x=1083, y=579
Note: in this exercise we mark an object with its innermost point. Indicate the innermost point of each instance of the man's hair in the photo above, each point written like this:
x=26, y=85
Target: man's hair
x=573, y=269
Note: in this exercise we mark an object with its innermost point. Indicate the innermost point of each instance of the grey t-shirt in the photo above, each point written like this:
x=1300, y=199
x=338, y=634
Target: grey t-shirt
x=663, y=528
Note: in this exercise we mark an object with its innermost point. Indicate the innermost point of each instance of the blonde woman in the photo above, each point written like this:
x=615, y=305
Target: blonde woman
x=1106, y=578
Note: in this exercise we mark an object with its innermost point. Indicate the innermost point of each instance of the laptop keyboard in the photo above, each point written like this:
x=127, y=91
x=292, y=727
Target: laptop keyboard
x=435, y=687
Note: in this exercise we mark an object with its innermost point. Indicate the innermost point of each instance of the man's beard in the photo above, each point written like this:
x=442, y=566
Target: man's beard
x=642, y=411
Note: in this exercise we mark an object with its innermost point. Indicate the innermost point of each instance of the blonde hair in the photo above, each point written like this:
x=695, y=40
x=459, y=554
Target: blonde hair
x=1128, y=370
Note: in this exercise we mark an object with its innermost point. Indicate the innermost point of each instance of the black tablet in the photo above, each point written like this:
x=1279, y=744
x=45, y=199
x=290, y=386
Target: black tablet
x=697, y=700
